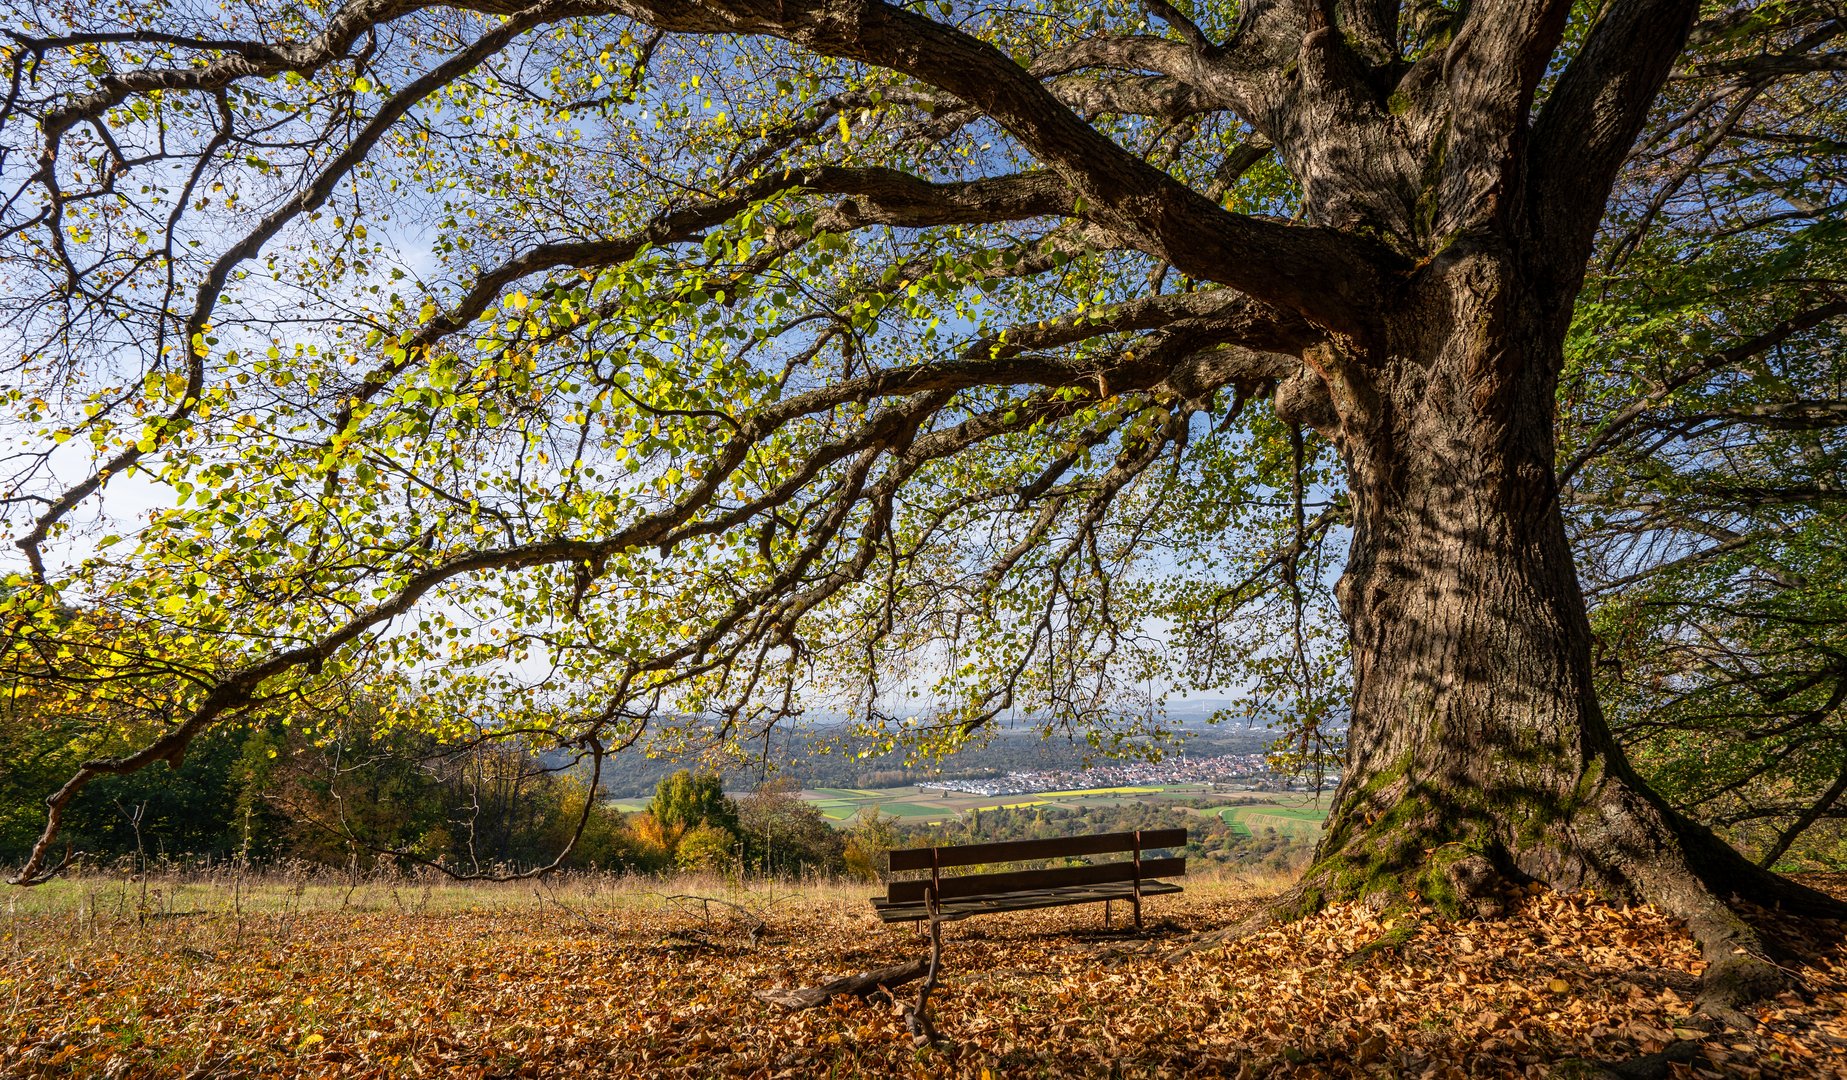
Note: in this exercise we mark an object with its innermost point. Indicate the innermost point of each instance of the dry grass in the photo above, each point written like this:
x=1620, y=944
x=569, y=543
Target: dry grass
x=609, y=976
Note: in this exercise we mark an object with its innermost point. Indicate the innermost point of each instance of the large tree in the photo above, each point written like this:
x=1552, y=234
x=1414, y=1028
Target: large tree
x=604, y=363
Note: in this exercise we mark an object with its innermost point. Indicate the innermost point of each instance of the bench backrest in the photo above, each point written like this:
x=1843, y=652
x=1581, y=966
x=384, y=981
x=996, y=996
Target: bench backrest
x=948, y=888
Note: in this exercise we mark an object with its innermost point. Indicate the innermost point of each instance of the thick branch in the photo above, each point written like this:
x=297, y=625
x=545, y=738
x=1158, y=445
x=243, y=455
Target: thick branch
x=1588, y=124
x=1492, y=68
x=1325, y=276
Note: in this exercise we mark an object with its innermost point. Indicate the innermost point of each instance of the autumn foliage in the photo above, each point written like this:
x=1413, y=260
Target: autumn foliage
x=603, y=976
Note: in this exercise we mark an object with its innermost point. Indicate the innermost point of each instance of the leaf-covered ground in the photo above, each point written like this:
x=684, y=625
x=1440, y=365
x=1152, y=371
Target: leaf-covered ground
x=521, y=982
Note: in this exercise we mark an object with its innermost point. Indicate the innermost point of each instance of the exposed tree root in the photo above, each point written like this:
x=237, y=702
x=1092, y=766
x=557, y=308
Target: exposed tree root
x=1463, y=847
x=1386, y=944
x=1656, y=1066
x=1727, y=903
x=1269, y=915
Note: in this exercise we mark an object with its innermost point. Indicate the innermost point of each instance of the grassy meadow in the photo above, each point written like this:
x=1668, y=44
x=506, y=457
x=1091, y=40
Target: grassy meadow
x=1301, y=822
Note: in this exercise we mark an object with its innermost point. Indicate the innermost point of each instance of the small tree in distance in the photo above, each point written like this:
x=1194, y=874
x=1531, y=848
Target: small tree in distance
x=686, y=799
x=690, y=823
x=785, y=835
x=869, y=843
x=707, y=847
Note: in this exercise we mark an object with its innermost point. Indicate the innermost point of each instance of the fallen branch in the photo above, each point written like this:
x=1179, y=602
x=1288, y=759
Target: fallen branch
x=756, y=930
x=1255, y=923
x=574, y=913
x=865, y=984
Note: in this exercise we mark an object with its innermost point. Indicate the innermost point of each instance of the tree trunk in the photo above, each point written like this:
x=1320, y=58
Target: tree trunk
x=1478, y=755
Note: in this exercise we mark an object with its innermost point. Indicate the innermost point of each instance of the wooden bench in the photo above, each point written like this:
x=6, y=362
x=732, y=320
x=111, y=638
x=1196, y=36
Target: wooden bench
x=946, y=899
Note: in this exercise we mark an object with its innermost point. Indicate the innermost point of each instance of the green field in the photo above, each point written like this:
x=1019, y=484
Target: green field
x=1302, y=822
x=839, y=805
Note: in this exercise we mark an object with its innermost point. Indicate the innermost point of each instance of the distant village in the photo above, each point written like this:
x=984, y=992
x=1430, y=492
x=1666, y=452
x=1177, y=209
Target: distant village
x=1237, y=772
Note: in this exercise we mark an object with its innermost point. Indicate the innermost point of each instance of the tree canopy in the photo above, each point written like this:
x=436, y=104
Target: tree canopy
x=591, y=374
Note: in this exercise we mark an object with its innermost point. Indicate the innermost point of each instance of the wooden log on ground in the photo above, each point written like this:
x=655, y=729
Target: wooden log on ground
x=861, y=985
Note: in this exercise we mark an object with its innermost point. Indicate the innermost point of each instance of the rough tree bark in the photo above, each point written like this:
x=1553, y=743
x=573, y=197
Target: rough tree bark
x=1478, y=754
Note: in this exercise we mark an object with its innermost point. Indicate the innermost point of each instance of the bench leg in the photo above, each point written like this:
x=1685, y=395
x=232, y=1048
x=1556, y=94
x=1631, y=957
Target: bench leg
x=917, y=1017
x=1106, y=914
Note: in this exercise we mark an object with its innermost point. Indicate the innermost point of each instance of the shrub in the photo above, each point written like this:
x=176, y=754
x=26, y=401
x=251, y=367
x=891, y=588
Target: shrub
x=707, y=847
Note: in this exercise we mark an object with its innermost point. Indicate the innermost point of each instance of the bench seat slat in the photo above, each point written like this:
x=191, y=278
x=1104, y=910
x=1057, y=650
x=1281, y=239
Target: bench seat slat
x=971, y=885
x=1022, y=850
x=952, y=910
